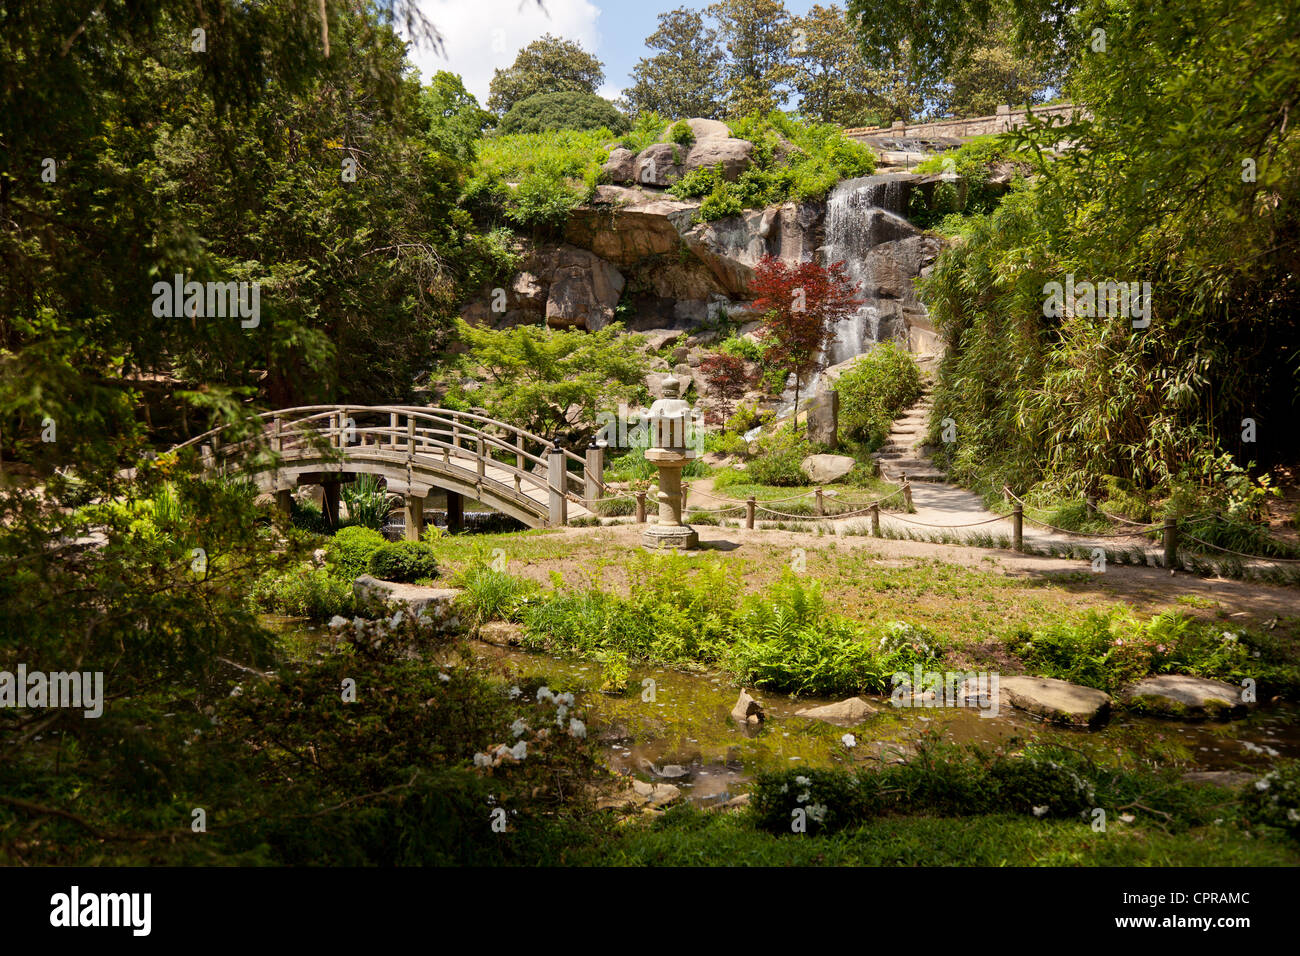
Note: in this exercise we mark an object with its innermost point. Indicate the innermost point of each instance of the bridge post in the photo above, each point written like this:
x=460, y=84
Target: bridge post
x=413, y=515
x=284, y=501
x=410, y=438
x=279, y=438
x=595, y=471
x=455, y=512
x=330, y=502
x=392, y=430
x=555, y=477
x=482, y=459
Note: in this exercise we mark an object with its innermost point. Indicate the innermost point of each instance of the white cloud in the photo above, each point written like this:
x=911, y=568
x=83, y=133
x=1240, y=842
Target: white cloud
x=480, y=36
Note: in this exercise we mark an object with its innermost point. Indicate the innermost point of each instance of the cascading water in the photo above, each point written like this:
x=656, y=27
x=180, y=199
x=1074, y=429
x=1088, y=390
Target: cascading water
x=860, y=215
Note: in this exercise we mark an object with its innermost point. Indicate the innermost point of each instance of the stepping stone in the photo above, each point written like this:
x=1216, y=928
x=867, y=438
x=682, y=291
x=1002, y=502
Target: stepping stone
x=1055, y=700
x=747, y=710
x=847, y=713
x=1182, y=695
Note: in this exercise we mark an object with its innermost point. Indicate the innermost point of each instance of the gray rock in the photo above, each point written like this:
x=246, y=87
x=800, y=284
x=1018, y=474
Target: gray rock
x=702, y=129
x=1181, y=695
x=1055, y=700
x=747, y=710
x=656, y=794
x=621, y=166
x=847, y=713
x=824, y=469
x=372, y=592
x=584, y=290
x=501, y=633
x=823, y=419
x=661, y=164
x=733, y=155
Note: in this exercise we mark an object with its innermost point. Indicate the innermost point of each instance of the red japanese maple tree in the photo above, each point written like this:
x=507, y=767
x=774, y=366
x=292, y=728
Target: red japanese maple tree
x=727, y=378
x=803, y=303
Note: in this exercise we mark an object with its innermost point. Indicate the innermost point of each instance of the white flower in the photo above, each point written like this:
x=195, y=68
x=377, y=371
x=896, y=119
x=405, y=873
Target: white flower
x=395, y=620
x=1262, y=784
x=1293, y=815
x=520, y=750
x=518, y=728
x=577, y=728
x=515, y=692
x=338, y=621
x=1040, y=811
x=482, y=760
x=445, y=678
x=817, y=812
x=564, y=700
x=544, y=693
x=804, y=797
x=802, y=781
x=560, y=714
x=1126, y=818
x=849, y=740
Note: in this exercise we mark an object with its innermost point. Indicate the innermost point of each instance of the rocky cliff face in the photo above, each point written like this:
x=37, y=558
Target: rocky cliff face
x=638, y=253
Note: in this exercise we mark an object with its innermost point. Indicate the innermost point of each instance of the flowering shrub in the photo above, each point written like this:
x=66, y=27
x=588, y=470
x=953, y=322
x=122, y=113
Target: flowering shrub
x=1274, y=799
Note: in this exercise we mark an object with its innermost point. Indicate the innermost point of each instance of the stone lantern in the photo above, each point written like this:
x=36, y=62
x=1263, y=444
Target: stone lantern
x=668, y=452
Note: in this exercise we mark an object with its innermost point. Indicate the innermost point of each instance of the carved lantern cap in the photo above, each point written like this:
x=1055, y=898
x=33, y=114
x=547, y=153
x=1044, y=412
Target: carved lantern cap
x=668, y=419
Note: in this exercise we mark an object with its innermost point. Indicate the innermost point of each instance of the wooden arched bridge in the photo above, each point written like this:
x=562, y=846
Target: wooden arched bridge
x=414, y=450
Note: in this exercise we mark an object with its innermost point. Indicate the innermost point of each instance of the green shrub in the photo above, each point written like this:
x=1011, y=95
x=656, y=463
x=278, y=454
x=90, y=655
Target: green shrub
x=1274, y=799
x=681, y=133
x=369, y=504
x=312, y=593
x=778, y=461
x=348, y=552
x=544, y=112
x=874, y=391
x=309, y=517
x=491, y=595
x=403, y=561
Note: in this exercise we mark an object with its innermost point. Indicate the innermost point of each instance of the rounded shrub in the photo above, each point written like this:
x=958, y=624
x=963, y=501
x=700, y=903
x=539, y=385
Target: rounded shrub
x=403, y=561
x=349, y=551
x=570, y=110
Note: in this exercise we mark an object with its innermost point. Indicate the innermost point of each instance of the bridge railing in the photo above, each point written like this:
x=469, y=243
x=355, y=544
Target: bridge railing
x=497, y=451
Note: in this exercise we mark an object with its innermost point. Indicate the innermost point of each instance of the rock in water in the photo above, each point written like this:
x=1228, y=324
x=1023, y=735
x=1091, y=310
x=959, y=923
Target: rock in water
x=1181, y=695
x=1055, y=700
x=747, y=710
x=847, y=713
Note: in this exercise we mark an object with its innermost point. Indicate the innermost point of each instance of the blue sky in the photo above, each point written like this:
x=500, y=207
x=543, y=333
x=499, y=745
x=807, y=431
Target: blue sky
x=483, y=35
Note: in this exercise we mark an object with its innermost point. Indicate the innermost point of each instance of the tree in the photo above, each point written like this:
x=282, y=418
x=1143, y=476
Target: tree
x=548, y=111
x=996, y=71
x=455, y=120
x=727, y=378
x=684, y=79
x=757, y=38
x=802, y=304
x=829, y=75
x=547, y=65
x=554, y=383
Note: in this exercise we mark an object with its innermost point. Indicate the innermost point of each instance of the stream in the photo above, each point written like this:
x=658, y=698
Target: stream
x=687, y=726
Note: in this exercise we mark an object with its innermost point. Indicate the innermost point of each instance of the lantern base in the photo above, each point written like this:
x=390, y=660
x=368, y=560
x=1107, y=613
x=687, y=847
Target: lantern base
x=665, y=538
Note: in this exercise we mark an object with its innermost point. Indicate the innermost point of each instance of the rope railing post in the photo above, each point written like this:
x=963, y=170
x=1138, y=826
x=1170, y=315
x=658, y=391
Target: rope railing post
x=750, y=505
x=907, y=494
x=1171, y=543
x=875, y=521
x=555, y=478
x=593, y=472
x=821, y=504
x=640, y=507
x=1018, y=527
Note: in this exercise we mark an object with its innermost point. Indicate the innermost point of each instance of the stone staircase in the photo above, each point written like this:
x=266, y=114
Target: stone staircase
x=903, y=452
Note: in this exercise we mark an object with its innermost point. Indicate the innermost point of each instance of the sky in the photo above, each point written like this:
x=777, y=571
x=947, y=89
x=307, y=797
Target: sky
x=481, y=36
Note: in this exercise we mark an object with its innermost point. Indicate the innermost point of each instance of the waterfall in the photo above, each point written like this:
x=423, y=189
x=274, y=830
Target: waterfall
x=860, y=215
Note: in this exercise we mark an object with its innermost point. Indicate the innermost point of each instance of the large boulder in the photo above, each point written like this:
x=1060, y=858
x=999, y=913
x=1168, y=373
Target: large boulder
x=1051, y=699
x=846, y=713
x=733, y=155
x=824, y=469
x=584, y=290
x=1181, y=695
x=621, y=166
x=701, y=129
x=374, y=594
x=660, y=164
